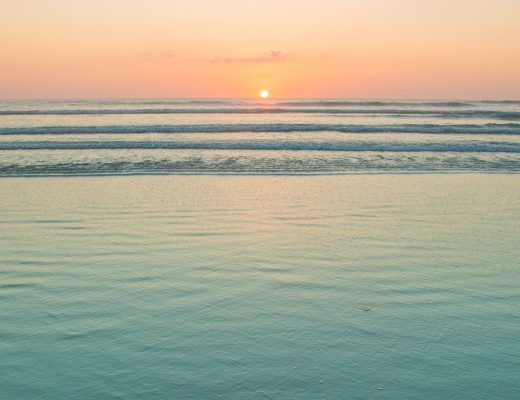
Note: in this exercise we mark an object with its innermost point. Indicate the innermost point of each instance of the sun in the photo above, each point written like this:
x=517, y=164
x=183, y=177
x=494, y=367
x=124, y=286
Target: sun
x=264, y=94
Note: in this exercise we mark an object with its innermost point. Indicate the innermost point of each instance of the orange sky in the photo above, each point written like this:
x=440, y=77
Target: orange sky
x=234, y=48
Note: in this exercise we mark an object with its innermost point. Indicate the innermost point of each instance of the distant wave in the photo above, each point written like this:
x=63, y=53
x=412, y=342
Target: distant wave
x=502, y=115
x=347, y=103
x=270, y=102
x=511, y=102
x=353, y=146
x=507, y=129
x=302, y=136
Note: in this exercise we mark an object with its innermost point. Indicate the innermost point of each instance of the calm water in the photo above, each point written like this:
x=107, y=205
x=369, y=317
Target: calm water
x=372, y=286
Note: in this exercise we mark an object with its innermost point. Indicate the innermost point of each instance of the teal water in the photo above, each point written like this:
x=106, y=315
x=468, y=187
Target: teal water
x=260, y=287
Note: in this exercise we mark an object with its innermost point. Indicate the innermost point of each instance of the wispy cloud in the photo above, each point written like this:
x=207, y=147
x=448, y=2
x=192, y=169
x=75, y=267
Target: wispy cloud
x=271, y=56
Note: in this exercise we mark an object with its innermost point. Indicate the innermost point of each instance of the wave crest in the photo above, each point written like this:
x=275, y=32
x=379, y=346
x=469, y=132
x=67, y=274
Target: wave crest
x=508, y=128
x=273, y=145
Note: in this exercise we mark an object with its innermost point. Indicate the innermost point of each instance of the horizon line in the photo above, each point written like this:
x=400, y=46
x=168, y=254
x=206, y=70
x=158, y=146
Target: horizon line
x=259, y=98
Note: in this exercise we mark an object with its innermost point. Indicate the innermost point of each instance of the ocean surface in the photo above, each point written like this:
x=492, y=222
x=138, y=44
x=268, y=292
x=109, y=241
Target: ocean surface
x=238, y=136
x=240, y=249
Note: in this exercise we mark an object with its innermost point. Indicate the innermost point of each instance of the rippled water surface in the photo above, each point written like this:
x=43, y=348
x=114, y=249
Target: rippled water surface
x=260, y=287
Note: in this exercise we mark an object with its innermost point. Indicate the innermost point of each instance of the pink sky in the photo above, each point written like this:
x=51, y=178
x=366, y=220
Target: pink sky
x=231, y=48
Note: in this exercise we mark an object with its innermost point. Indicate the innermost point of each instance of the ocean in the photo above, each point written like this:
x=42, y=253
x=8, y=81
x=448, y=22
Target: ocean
x=251, y=249
x=223, y=136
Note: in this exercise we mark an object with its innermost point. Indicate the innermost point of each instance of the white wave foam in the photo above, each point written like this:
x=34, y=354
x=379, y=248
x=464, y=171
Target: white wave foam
x=351, y=146
x=502, y=115
x=106, y=162
x=508, y=128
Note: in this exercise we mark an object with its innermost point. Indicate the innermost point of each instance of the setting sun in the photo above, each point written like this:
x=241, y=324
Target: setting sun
x=264, y=94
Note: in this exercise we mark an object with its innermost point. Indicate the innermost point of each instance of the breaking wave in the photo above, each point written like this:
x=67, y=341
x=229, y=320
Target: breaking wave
x=280, y=136
x=352, y=146
x=105, y=162
x=491, y=128
x=333, y=103
x=502, y=115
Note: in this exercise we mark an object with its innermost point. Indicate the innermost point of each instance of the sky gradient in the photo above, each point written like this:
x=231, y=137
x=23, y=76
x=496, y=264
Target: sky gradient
x=199, y=48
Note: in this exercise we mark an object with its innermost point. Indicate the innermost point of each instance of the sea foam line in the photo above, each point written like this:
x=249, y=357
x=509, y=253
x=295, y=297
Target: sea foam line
x=264, y=163
x=491, y=128
x=459, y=147
x=502, y=115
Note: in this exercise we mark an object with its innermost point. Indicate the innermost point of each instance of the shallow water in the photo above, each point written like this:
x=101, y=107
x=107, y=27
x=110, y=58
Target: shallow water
x=260, y=287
